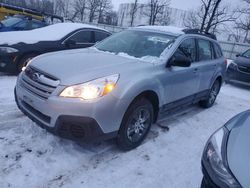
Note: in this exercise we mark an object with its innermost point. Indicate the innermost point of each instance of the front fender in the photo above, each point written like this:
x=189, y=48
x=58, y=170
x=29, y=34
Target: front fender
x=127, y=92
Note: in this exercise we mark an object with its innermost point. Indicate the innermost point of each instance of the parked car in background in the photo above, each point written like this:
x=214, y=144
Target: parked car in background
x=239, y=70
x=119, y=87
x=225, y=161
x=17, y=48
x=20, y=23
x=7, y=10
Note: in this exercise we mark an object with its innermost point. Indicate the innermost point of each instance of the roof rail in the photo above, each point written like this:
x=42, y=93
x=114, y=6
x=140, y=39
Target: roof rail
x=199, y=32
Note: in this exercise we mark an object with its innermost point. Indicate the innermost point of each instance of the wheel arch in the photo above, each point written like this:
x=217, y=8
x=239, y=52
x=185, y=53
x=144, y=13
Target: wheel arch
x=153, y=97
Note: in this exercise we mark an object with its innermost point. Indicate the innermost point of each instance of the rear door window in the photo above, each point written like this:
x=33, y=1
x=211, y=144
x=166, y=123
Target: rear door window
x=83, y=37
x=99, y=36
x=217, y=50
x=205, y=50
x=22, y=25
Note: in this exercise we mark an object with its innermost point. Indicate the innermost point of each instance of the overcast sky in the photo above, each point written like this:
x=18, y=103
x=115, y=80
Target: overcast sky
x=180, y=4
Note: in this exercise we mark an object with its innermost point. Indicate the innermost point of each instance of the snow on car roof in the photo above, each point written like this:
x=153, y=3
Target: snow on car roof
x=50, y=33
x=167, y=29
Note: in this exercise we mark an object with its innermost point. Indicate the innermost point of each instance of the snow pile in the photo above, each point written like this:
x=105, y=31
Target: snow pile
x=50, y=33
x=169, y=29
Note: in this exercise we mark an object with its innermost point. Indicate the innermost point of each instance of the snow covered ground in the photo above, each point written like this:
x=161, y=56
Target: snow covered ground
x=31, y=157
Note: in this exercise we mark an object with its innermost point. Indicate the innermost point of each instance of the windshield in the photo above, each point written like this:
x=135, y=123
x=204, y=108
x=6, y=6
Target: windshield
x=137, y=43
x=247, y=54
x=11, y=21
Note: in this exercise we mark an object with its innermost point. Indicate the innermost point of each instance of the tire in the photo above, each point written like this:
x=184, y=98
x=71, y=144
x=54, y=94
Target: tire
x=24, y=61
x=214, y=91
x=135, y=125
x=204, y=184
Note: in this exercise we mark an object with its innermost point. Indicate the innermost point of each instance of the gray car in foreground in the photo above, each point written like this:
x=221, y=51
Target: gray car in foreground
x=122, y=85
x=226, y=156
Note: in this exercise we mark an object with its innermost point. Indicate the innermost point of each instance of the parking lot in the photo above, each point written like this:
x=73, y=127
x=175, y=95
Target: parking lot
x=32, y=157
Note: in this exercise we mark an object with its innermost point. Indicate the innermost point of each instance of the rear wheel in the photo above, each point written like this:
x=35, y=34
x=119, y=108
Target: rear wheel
x=136, y=124
x=24, y=61
x=214, y=91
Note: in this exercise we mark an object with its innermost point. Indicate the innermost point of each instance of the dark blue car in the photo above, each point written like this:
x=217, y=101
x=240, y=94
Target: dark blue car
x=20, y=23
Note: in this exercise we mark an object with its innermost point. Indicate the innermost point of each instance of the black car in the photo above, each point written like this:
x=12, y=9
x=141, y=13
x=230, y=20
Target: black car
x=239, y=70
x=20, y=23
x=17, y=48
x=225, y=161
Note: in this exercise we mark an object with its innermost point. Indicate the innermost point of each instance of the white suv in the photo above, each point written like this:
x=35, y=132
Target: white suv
x=122, y=85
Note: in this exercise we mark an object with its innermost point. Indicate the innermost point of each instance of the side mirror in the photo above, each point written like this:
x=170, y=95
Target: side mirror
x=179, y=61
x=70, y=43
x=238, y=55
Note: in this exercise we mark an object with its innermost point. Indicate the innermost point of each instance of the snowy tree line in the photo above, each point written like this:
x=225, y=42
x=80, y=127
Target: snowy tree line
x=210, y=16
x=213, y=15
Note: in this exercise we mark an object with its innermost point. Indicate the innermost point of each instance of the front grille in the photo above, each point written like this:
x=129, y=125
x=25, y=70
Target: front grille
x=38, y=83
x=244, y=69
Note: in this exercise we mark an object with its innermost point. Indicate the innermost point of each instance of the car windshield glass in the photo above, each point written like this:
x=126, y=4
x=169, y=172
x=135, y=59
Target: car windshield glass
x=247, y=54
x=11, y=21
x=136, y=43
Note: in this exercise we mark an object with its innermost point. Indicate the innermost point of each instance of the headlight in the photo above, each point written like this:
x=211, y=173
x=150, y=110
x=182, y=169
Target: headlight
x=215, y=156
x=93, y=89
x=8, y=50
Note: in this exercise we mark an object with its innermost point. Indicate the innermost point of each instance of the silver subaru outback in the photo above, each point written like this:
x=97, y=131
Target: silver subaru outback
x=122, y=85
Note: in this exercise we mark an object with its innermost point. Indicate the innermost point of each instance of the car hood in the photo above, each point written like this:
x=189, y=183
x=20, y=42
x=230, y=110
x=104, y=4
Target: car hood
x=79, y=66
x=243, y=61
x=238, y=149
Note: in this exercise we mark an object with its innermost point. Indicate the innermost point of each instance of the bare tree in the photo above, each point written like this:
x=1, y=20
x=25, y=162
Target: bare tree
x=43, y=6
x=111, y=18
x=122, y=17
x=61, y=7
x=192, y=20
x=209, y=16
x=156, y=9
x=104, y=7
x=133, y=12
x=243, y=23
x=80, y=7
x=92, y=6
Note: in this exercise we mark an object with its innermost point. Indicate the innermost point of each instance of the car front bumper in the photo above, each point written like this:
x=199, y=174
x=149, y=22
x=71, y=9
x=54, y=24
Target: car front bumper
x=207, y=181
x=73, y=118
x=8, y=63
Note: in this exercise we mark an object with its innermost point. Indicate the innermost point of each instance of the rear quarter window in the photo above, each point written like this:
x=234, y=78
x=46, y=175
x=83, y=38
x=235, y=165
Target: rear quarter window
x=204, y=50
x=217, y=50
x=99, y=36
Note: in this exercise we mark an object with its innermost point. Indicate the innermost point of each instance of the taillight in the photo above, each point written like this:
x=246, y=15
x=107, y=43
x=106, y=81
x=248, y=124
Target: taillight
x=226, y=61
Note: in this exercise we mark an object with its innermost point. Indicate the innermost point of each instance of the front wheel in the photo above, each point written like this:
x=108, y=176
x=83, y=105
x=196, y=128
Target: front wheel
x=214, y=91
x=135, y=124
